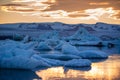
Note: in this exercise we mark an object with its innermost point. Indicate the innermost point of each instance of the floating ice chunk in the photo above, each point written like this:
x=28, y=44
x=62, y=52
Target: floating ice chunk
x=83, y=35
x=7, y=54
x=78, y=63
x=59, y=46
x=51, y=62
x=93, y=54
x=78, y=43
x=54, y=62
x=52, y=42
x=25, y=39
x=49, y=35
x=12, y=42
x=22, y=52
x=21, y=63
x=43, y=46
x=69, y=49
x=27, y=45
x=59, y=56
x=66, y=69
x=6, y=47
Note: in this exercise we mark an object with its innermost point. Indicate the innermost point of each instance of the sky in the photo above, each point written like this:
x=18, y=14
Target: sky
x=66, y=11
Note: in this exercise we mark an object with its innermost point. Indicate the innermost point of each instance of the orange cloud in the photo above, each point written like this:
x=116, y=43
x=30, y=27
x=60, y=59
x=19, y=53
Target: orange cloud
x=65, y=8
x=102, y=3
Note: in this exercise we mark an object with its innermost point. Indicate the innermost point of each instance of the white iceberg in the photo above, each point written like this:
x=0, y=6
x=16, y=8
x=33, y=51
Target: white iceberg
x=85, y=43
x=49, y=35
x=59, y=56
x=7, y=47
x=59, y=46
x=69, y=49
x=78, y=63
x=25, y=39
x=92, y=54
x=51, y=62
x=22, y=52
x=54, y=62
x=83, y=35
x=26, y=46
x=43, y=46
x=52, y=42
x=22, y=63
x=7, y=54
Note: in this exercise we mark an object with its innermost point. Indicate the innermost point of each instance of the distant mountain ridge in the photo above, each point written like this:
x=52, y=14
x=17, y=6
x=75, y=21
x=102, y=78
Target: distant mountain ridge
x=99, y=26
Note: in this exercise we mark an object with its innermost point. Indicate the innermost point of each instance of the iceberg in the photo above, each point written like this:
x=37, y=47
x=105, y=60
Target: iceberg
x=22, y=52
x=78, y=63
x=54, y=62
x=83, y=35
x=26, y=46
x=93, y=54
x=43, y=46
x=52, y=42
x=57, y=56
x=51, y=62
x=6, y=54
x=69, y=49
x=25, y=39
x=59, y=46
x=7, y=47
x=49, y=35
x=66, y=69
x=19, y=62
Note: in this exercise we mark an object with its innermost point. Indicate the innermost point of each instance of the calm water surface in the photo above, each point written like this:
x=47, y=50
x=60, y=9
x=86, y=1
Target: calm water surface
x=100, y=70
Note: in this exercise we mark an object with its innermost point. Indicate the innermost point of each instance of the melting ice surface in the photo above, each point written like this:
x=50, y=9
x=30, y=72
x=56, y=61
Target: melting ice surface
x=100, y=70
x=66, y=71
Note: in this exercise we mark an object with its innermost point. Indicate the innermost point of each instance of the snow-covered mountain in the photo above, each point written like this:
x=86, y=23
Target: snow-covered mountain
x=106, y=27
x=62, y=26
x=102, y=30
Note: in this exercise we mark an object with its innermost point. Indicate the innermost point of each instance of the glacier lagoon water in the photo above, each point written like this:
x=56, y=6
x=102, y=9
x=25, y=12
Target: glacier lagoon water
x=100, y=70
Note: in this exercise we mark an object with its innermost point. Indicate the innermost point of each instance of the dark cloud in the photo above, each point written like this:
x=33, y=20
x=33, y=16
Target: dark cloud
x=20, y=10
x=78, y=15
x=13, y=5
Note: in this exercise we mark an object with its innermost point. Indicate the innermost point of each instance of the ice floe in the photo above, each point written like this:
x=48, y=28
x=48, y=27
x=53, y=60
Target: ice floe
x=93, y=54
x=78, y=63
x=19, y=62
x=69, y=49
x=59, y=56
x=43, y=46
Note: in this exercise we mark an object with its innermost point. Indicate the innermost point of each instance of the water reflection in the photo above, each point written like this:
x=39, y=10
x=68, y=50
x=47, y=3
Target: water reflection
x=107, y=70
x=16, y=74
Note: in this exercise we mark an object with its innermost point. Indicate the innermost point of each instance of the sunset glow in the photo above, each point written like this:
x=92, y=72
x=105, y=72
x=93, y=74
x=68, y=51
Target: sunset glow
x=67, y=11
x=104, y=70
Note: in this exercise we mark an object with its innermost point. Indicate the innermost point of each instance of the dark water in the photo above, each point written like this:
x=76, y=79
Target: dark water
x=100, y=70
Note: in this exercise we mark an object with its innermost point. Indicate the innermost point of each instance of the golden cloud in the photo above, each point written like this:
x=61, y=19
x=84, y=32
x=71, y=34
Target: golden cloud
x=89, y=9
x=102, y=3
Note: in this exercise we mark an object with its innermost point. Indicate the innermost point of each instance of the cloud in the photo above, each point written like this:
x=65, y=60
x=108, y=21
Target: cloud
x=13, y=4
x=116, y=16
x=88, y=9
x=76, y=5
x=16, y=8
x=101, y=3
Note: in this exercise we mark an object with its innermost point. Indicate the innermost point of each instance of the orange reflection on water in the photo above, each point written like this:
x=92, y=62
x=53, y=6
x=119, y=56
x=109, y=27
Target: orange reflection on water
x=51, y=72
x=107, y=70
